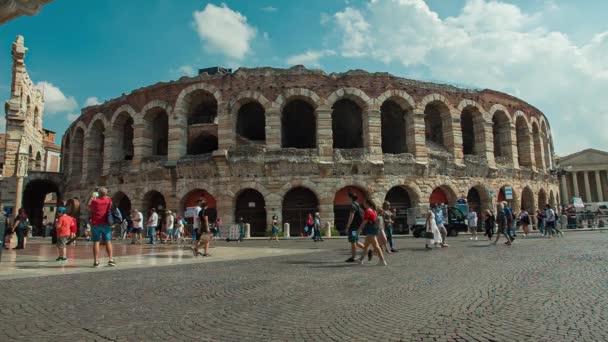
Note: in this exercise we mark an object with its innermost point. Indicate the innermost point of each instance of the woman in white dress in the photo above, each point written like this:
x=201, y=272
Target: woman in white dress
x=431, y=227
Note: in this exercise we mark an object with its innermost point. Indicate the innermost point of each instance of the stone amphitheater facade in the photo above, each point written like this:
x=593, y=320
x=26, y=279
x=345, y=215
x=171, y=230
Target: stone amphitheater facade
x=265, y=141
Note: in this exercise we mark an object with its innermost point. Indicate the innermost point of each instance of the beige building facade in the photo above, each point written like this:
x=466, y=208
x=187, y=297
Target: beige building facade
x=585, y=175
x=261, y=142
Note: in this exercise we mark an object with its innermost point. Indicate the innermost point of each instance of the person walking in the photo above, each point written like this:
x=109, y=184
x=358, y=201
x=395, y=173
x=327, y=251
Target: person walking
x=355, y=218
x=20, y=227
x=204, y=233
x=472, y=222
x=169, y=223
x=369, y=227
x=99, y=208
x=241, y=226
x=218, y=228
x=489, y=223
x=317, y=228
x=389, y=219
x=152, y=225
x=138, y=226
x=63, y=231
x=439, y=221
x=540, y=221
x=179, y=230
x=433, y=235
x=502, y=222
x=381, y=237
x=524, y=220
x=551, y=227
x=310, y=226
x=274, y=230
x=511, y=222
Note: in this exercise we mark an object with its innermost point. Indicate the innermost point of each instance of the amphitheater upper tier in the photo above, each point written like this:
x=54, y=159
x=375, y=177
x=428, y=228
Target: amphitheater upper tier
x=272, y=130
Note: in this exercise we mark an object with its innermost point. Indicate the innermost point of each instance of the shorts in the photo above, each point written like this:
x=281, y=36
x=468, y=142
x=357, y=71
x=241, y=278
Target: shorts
x=353, y=236
x=62, y=241
x=275, y=230
x=103, y=232
x=370, y=229
x=170, y=232
x=206, y=236
x=137, y=230
x=473, y=229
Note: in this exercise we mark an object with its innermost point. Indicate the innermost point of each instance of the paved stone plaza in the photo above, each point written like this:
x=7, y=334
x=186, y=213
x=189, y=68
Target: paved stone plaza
x=537, y=290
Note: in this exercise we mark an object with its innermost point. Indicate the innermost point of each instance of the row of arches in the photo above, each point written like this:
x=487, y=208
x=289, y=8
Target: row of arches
x=300, y=201
x=465, y=130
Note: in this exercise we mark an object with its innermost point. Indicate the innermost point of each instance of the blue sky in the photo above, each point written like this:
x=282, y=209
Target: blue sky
x=549, y=53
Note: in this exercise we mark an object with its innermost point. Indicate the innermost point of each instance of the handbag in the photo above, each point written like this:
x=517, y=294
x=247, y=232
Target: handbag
x=428, y=235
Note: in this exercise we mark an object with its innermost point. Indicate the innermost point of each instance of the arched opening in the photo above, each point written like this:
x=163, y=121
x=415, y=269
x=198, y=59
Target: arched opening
x=36, y=118
x=297, y=204
x=251, y=206
x=392, y=117
x=95, y=150
x=38, y=161
x=31, y=161
x=122, y=148
x=342, y=205
x=347, y=124
x=202, y=115
x=471, y=124
x=527, y=200
x=122, y=202
x=190, y=201
x=154, y=199
x=436, y=121
x=299, y=125
x=523, y=142
x=40, y=198
x=538, y=146
x=202, y=144
x=552, y=201
x=157, y=132
x=399, y=198
x=501, y=132
x=542, y=199
x=77, y=153
x=443, y=195
x=507, y=194
x=546, y=146
x=251, y=124
x=474, y=200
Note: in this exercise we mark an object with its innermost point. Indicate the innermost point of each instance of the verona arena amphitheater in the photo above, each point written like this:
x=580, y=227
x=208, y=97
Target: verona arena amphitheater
x=261, y=142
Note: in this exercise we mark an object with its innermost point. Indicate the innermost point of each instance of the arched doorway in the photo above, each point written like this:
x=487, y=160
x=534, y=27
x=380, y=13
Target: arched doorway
x=474, y=200
x=503, y=194
x=443, y=195
x=251, y=124
x=392, y=117
x=40, y=198
x=399, y=198
x=347, y=124
x=156, y=200
x=191, y=200
x=297, y=204
x=202, y=115
x=95, y=151
x=299, y=125
x=542, y=199
x=501, y=132
x=342, y=205
x=123, y=203
x=527, y=200
x=251, y=206
x=552, y=201
x=524, y=150
x=436, y=121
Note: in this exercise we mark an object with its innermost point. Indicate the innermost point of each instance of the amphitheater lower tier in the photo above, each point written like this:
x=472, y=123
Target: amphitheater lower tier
x=257, y=185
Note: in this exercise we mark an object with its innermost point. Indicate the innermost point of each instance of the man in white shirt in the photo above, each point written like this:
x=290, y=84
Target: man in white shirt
x=196, y=223
x=152, y=225
x=138, y=226
x=472, y=220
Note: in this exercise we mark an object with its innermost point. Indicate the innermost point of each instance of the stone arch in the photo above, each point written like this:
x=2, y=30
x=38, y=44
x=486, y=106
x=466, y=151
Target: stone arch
x=95, y=141
x=39, y=161
x=303, y=94
x=298, y=119
x=249, y=110
x=501, y=133
x=34, y=195
x=547, y=143
x=527, y=200
x=342, y=204
x=438, y=122
x=77, y=150
x=347, y=124
x=66, y=153
x=472, y=126
x=443, y=194
x=191, y=197
x=524, y=141
x=501, y=196
x=542, y=198
x=155, y=132
x=478, y=198
x=125, y=108
x=537, y=140
x=250, y=204
x=122, y=202
x=353, y=94
x=122, y=134
x=236, y=188
x=552, y=197
x=153, y=199
x=183, y=102
x=397, y=121
x=402, y=199
x=298, y=202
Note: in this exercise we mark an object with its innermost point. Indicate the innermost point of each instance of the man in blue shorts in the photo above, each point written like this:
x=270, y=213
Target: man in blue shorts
x=99, y=207
x=355, y=218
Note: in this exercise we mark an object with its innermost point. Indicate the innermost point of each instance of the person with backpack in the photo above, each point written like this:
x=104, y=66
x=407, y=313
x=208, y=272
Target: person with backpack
x=370, y=228
x=20, y=227
x=524, y=220
x=204, y=233
x=355, y=218
x=100, y=207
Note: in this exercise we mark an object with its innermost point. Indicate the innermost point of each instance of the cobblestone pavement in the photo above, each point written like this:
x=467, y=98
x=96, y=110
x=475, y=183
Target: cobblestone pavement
x=537, y=290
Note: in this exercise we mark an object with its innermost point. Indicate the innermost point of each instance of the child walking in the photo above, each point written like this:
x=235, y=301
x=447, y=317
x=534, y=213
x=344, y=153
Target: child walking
x=64, y=222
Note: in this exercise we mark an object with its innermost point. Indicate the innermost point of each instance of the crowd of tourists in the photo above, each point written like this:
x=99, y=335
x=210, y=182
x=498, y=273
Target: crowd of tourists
x=367, y=218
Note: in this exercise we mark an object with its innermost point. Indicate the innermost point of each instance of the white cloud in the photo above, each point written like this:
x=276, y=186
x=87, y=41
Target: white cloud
x=71, y=117
x=224, y=31
x=271, y=9
x=91, y=101
x=187, y=70
x=54, y=99
x=495, y=45
x=309, y=58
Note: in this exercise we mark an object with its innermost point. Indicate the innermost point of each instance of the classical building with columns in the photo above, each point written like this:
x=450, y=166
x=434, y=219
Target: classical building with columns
x=261, y=142
x=584, y=175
